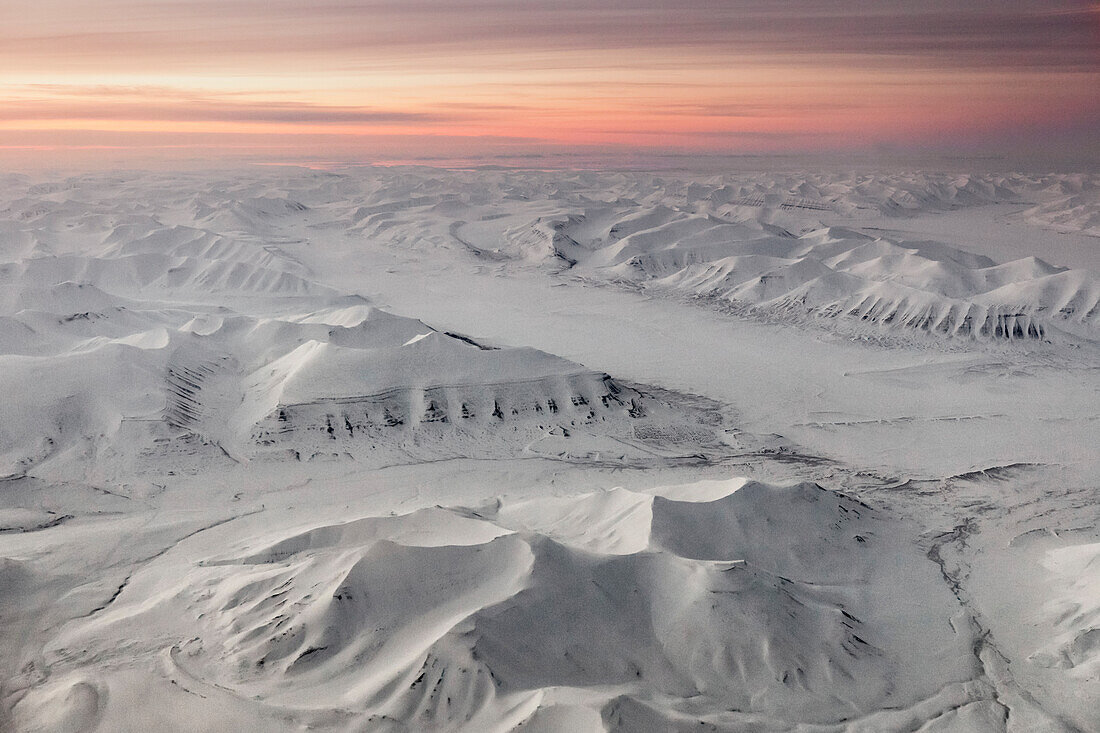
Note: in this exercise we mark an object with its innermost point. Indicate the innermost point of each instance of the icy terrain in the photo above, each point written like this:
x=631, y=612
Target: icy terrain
x=408, y=449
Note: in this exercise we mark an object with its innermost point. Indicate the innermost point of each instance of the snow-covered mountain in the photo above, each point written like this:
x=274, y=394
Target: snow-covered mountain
x=404, y=449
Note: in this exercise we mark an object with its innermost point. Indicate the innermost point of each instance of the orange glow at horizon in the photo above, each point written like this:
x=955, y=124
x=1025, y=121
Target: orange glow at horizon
x=306, y=86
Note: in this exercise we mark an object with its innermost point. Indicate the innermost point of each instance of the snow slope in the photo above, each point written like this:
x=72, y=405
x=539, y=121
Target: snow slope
x=770, y=603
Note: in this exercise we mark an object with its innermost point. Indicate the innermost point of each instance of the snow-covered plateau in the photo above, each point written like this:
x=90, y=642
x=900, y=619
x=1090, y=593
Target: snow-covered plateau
x=406, y=449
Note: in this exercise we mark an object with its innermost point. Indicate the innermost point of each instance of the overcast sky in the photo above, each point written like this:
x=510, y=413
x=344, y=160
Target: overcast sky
x=381, y=80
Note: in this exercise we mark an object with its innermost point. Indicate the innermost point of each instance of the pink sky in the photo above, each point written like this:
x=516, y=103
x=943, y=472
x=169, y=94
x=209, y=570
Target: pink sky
x=120, y=81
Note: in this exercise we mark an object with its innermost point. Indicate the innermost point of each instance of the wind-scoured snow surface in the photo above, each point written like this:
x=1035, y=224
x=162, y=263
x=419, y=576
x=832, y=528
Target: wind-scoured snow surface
x=408, y=450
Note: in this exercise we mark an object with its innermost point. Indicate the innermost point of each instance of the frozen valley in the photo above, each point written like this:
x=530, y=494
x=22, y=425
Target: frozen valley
x=405, y=449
